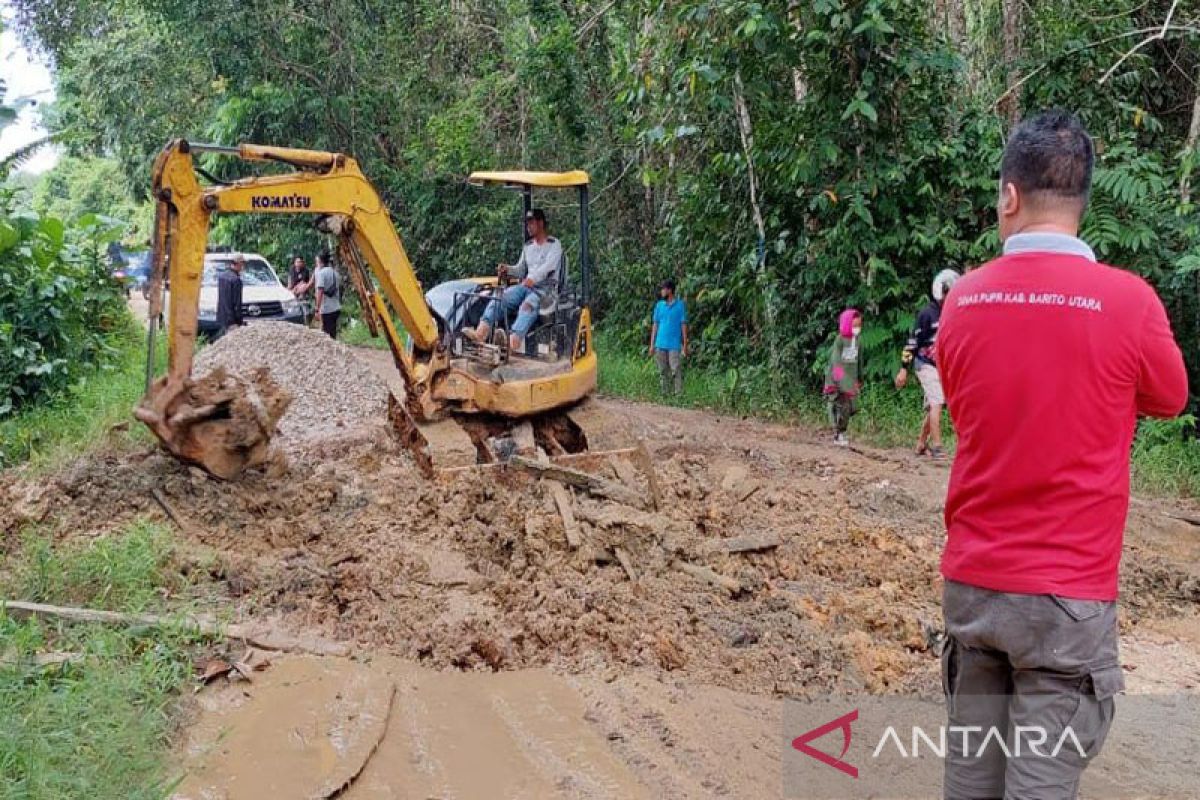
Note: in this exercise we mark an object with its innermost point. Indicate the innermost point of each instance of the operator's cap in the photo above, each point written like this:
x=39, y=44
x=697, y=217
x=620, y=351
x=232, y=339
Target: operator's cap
x=536, y=213
x=668, y=284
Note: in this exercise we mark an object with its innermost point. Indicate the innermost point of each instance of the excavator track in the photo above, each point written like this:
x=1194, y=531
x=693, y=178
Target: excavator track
x=461, y=442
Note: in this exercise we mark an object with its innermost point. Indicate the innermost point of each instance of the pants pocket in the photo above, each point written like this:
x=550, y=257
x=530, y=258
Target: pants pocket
x=1080, y=610
x=1093, y=717
x=1107, y=683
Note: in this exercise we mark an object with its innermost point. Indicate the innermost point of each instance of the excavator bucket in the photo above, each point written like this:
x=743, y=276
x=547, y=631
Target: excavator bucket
x=221, y=422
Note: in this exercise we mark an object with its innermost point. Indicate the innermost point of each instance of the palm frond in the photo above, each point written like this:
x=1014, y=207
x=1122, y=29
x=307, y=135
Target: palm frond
x=21, y=156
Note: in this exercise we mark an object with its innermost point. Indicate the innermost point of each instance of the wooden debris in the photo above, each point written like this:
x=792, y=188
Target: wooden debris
x=522, y=436
x=626, y=563
x=625, y=472
x=592, y=484
x=743, y=544
x=562, y=499
x=642, y=456
x=587, y=455
x=213, y=669
x=709, y=576
x=242, y=666
x=613, y=516
x=42, y=660
x=257, y=635
x=56, y=659
x=748, y=489
x=170, y=511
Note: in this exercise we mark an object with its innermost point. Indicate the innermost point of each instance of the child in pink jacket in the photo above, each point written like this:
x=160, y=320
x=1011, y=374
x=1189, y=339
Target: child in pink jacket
x=842, y=382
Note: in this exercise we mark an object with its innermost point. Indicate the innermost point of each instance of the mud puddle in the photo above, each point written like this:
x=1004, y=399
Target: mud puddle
x=318, y=728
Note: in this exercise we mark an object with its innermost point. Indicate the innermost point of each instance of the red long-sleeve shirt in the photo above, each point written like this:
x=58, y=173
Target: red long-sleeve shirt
x=1047, y=358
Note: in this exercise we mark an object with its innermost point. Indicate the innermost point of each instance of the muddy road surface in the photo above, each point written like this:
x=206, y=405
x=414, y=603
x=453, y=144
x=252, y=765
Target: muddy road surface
x=504, y=648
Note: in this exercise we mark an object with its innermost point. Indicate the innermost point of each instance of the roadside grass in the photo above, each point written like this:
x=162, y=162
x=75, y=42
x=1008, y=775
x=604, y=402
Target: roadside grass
x=97, y=409
x=356, y=334
x=99, y=724
x=1166, y=457
x=885, y=418
x=1166, y=454
x=129, y=572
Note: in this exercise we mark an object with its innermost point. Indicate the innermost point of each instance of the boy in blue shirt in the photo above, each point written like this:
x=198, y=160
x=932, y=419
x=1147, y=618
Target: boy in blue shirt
x=668, y=338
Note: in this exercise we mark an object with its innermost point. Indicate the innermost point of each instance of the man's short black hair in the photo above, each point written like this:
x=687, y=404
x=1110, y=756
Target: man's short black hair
x=538, y=214
x=1050, y=157
x=669, y=285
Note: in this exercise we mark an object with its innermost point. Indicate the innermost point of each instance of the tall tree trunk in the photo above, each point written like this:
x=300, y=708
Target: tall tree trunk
x=1189, y=149
x=746, y=133
x=950, y=18
x=1010, y=106
x=799, y=85
x=1185, y=185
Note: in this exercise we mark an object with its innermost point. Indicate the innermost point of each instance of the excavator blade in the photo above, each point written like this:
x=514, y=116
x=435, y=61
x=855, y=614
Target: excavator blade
x=222, y=423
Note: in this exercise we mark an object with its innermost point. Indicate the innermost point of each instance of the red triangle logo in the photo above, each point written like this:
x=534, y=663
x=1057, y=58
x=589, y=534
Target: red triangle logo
x=801, y=743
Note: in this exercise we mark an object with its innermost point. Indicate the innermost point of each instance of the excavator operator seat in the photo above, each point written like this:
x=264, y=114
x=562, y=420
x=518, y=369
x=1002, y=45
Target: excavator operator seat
x=552, y=300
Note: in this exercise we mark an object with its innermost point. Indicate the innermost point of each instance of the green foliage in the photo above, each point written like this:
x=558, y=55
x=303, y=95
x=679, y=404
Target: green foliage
x=79, y=187
x=59, y=308
x=125, y=572
x=94, y=410
x=1166, y=456
x=870, y=129
x=98, y=726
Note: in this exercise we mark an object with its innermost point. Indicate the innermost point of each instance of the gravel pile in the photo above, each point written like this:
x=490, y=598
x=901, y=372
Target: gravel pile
x=332, y=390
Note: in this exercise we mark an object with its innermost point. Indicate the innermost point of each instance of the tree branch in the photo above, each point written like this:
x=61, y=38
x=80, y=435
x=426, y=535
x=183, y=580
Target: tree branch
x=1067, y=54
x=585, y=27
x=1154, y=37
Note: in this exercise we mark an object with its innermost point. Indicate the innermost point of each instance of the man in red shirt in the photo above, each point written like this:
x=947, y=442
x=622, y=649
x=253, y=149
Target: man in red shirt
x=1047, y=358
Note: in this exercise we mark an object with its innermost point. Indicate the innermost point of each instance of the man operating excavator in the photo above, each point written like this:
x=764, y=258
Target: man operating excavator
x=537, y=273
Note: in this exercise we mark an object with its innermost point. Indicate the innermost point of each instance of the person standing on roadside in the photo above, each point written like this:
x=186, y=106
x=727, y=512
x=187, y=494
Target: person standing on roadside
x=1047, y=358
x=229, y=296
x=669, y=338
x=328, y=306
x=921, y=351
x=842, y=383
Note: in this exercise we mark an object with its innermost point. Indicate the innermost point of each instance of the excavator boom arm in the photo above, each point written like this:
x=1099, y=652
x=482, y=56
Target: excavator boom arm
x=329, y=185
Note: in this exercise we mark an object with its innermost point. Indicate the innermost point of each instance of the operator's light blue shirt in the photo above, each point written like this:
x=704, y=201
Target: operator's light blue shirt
x=670, y=318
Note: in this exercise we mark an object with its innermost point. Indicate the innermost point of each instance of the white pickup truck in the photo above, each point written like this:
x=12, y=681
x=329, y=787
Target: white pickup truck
x=264, y=297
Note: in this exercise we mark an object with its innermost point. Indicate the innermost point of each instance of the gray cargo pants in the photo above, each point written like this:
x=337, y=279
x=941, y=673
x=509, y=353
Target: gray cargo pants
x=670, y=370
x=1030, y=666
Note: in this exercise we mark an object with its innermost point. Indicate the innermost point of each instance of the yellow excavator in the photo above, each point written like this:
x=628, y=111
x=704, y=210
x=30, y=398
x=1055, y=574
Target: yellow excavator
x=223, y=423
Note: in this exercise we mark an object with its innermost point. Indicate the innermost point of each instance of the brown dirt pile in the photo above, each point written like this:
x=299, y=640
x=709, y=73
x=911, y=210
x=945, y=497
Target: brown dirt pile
x=474, y=571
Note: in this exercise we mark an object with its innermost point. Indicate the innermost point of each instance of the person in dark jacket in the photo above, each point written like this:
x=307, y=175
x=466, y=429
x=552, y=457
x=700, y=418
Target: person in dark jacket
x=299, y=277
x=229, y=297
x=921, y=353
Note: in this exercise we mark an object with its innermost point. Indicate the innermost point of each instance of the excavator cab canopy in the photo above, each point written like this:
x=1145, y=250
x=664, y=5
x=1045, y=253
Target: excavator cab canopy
x=525, y=182
x=518, y=178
